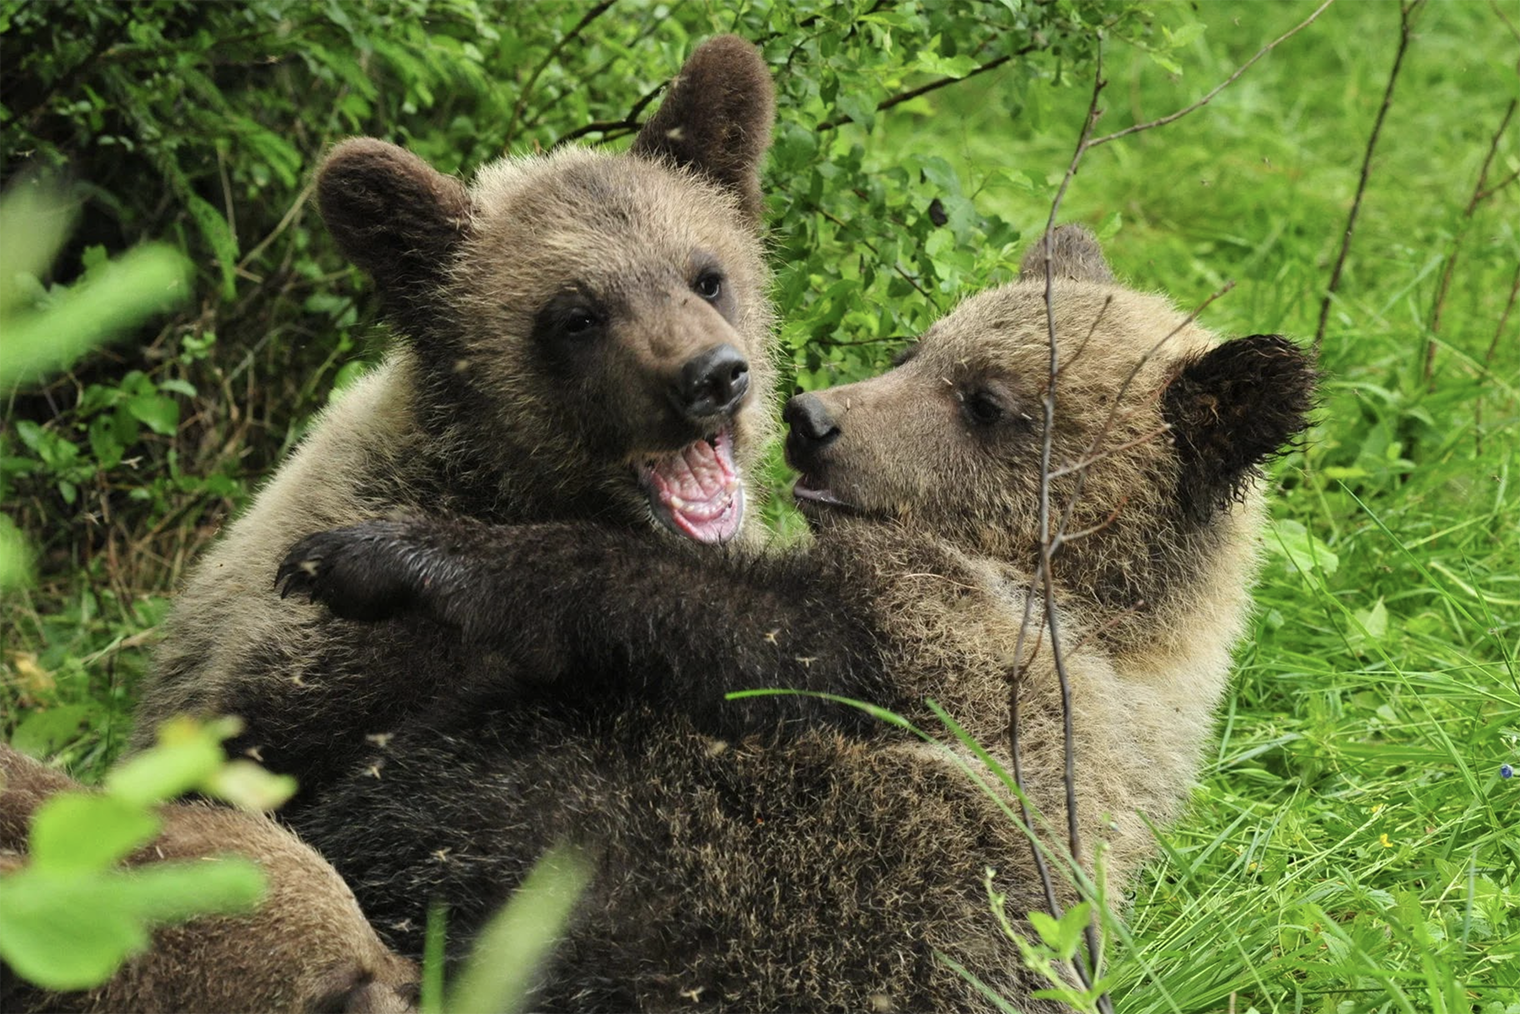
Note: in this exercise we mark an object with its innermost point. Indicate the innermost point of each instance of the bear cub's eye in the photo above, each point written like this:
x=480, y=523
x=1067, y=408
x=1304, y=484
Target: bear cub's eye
x=579, y=320
x=709, y=285
x=981, y=407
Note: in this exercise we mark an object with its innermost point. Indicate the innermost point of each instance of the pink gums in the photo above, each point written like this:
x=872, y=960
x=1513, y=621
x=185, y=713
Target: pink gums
x=696, y=490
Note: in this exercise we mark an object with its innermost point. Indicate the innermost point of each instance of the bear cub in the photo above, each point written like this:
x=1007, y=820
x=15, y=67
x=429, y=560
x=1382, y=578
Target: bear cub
x=581, y=336
x=823, y=864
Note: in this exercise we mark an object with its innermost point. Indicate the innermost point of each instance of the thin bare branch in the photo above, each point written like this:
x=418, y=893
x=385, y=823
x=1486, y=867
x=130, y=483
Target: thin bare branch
x=608, y=128
x=1179, y=114
x=1504, y=18
x=1514, y=289
x=1406, y=26
x=1086, y=971
x=1089, y=460
x=527, y=89
x=914, y=93
x=1479, y=195
x=1488, y=357
x=1113, y=411
x=1484, y=195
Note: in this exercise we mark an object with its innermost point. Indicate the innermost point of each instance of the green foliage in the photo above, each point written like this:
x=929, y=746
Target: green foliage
x=511, y=949
x=72, y=915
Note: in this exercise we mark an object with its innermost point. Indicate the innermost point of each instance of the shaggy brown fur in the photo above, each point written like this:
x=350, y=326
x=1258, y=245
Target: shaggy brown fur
x=306, y=948
x=582, y=335
x=821, y=868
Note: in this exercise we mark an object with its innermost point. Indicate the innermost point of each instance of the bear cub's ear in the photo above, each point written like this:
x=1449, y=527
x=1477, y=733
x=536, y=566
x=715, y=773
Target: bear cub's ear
x=1231, y=409
x=1074, y=255
x=717, y=118
x=392, y=214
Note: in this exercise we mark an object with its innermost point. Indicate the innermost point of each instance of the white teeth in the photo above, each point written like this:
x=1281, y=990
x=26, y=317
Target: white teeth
x=676, y=502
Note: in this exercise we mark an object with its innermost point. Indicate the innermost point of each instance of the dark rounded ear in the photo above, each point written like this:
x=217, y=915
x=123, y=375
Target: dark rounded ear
x=716, y=118
x=393, y=215
x=1074, y=255
x=1231, y=409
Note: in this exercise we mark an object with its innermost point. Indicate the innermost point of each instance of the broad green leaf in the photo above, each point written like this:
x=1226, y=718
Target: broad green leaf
x=158, y=412
x=83, y=831
x=15, y=555
x=1304, y=550
x=140, y=283
x=520, y=937
x=47, y=730
x=68, y=931
x=166, y=771
x=35, y=220
x=55, y=931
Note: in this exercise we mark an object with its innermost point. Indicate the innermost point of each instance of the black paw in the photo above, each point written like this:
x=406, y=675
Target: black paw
x=364, y=572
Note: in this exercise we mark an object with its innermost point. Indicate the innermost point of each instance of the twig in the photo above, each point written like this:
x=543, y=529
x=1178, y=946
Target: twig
x=627, y=124
x=1479, y=195
x=1406, y=25
x=1179, y=114
x=1113, y=411
x=1086, y=971
x=1514, y=289
x=1502, y=17
x=1488, y=357
x=914, y=93
x=527, y=88
x=281, y=226
x=895, y=266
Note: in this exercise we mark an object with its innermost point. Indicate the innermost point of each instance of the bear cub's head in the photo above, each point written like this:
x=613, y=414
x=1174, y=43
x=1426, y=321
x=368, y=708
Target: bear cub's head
x=1159, y=431
x=591, y=332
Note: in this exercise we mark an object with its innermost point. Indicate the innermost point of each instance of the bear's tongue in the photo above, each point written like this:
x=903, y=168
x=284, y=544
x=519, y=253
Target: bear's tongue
x=696, y=491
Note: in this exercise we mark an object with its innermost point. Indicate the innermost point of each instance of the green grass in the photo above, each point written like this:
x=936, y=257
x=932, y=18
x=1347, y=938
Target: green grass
x=1353, y=847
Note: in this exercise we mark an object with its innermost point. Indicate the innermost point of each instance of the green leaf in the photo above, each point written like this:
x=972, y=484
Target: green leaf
x=166, y=771
x=1374, y=621
x=55, y=932
x=955, y=67
x=1065, y=934
x=513, y=945
x=35, y=220
x=15, y=556
x=158, y=412
x=142, y=282
x=48, y=730
x=83, y=831
x=1305, y=552
x=219, y=237
x=72, y=930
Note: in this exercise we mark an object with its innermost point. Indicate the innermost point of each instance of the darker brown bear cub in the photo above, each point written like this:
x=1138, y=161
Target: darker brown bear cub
x=820, y=865
x=582, y=336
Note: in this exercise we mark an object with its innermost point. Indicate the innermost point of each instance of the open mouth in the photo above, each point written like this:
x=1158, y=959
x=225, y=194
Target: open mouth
x=808, y=495
x=696, y=492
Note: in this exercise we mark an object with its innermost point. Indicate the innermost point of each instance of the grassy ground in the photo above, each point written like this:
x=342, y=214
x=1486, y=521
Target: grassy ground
x=1353, y=846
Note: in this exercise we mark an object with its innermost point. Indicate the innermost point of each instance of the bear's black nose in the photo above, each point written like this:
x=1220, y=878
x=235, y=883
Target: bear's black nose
x=712, y=383
x=811, y=427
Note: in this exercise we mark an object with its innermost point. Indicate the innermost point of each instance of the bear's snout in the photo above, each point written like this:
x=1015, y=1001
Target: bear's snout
x=810, y=429
x=712, y=383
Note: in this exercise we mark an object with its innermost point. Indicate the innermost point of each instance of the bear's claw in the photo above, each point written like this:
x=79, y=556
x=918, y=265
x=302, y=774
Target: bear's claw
x=360, y=573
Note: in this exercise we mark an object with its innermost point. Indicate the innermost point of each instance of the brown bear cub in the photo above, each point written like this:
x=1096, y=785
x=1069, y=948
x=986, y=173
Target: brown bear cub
x=307, y=947
x=820, y=866
x=583, y=336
